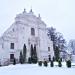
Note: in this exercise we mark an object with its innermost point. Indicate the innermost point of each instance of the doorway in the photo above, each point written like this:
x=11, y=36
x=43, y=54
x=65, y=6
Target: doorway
x=11, y=57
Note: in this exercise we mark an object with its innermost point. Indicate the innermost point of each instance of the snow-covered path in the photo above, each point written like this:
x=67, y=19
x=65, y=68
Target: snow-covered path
x=30, y=69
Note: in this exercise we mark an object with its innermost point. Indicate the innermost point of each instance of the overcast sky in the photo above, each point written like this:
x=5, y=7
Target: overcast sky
x=57, y=13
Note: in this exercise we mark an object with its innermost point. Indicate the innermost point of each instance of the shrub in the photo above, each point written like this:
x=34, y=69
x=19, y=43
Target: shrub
x=68, y=63
x=40, y=63
x=34, y=60
x=21, y=58
x=53, y=58
x=49, y=58
x=24, y=53
x=52, y=64
x=14, y=61
x=29, y=60
x=61, y=59
x=59, y=63
x=45, y=63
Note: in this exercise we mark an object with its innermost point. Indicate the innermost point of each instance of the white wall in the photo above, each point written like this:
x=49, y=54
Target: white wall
x=22, y=33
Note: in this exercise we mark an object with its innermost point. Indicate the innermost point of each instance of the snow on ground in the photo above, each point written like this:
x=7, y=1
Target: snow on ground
x=34, y=69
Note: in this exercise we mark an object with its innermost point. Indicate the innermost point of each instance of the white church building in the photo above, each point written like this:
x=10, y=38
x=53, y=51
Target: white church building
x=27, y=29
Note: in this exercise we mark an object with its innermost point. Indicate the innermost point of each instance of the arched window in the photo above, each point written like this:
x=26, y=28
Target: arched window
x=32, y=31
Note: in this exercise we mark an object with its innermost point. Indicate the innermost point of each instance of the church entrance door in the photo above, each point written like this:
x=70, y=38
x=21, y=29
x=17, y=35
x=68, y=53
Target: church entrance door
x=11, y=57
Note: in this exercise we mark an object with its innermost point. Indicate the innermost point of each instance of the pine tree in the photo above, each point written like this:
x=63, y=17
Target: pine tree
x=40, y=63
x=35, y=54
x=68, y=63
x=24, y=53
x=49, y=58
x=14, y=61
x=21, y=58
x=59, y=63
x=52, y=64
x=45, y=63
x=29, y=60
x=31, y=51
x=53, y=59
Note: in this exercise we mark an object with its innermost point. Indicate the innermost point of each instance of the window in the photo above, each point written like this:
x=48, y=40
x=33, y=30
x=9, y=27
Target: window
x=11, y=56
x=48, y=48
x=32, y=31
x=12, y=46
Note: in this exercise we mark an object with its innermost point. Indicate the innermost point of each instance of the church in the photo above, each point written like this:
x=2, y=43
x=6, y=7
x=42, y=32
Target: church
x=27, y=29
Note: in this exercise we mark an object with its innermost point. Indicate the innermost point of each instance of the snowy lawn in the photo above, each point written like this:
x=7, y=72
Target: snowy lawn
x=34, y=69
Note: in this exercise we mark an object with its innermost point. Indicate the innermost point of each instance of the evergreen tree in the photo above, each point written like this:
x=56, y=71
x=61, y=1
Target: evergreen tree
x=61, y=59
x=35, y=54
x=21, y=58
x=68, y=63
x=53, y=59
x=59, y=63
x=49, y=58
x=29, y=60
x=24, y=53
x=52, y=64
x=32, y=51
x=14, y=61
x=40, y=63
x=45, y=63
x=35, y=51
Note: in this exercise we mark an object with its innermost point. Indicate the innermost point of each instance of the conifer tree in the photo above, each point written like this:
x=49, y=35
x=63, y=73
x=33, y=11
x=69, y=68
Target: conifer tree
x=24, y=53
x=21, y=58
x=59, y=63
x=68, y=63
x=45, y=63
x=52, y=64
x=49, y=58
x=31, y=51
x=40, y=63
x=14, y=61
x=35, y=55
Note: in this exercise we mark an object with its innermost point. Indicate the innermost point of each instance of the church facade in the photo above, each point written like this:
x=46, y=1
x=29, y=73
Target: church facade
x=29, y=30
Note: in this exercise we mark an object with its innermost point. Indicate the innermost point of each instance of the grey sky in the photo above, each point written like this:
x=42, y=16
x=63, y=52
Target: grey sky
x=57, y=13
